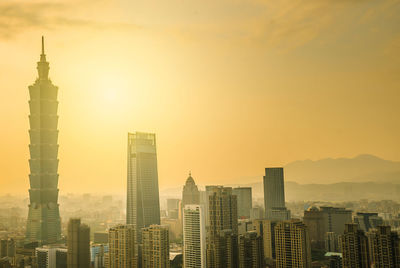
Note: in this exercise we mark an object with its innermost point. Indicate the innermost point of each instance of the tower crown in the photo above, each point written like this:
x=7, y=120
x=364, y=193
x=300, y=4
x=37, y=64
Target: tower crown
x=43, y=65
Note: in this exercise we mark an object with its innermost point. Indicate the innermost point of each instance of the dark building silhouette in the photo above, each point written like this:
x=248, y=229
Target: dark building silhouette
x=190, y=193
x=354, y=245
x=143, y=204
x=222, y=236
x=274, y=195
x=384, y=247
x=78, y=243
x=251, y=250
x=43, y=223
x=244, y=200
x=323, y=220
x=7, y=248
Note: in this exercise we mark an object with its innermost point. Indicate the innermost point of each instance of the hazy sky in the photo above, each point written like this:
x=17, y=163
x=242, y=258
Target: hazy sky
x=228, y=86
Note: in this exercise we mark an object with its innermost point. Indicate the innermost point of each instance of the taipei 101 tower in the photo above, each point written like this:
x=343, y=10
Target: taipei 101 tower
x=43, y=224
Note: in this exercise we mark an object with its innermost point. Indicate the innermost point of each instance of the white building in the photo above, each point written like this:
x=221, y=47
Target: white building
x=194, y=237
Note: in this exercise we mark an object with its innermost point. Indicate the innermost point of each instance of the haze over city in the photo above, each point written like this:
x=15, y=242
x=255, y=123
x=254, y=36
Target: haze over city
x=228, y=87
x=200, y=134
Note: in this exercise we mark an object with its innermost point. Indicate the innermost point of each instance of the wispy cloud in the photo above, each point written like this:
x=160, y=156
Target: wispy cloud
x=17, y=17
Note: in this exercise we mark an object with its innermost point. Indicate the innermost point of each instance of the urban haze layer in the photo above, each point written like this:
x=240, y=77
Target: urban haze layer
x=251, y=225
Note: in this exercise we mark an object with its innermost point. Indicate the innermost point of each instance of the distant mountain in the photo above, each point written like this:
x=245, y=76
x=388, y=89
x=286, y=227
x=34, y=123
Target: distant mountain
x=362, y=168
x=340, y=179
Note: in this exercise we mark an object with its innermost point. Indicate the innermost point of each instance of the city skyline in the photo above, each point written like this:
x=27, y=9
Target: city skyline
x=339, y=105
x=306, y=91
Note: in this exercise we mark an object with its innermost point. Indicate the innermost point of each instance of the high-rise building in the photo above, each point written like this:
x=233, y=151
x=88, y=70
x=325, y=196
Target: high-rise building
x=7, y=248
x=61, y=258
x=367, y=220
x=155, y=250
x=51, y=257
x=334, y=259
x=194, y=237
x=251, y=251
x=384, y=247
x=121, y=251
x=292, y=244
x=222, y=210
x=43, y=224
x=266, y=230
x=97, y=253
x=78, y=243
x=354, y=245
x=274, y=195
x=222, y=233
x=325, y=219
x=332, y=242
x=244, y=201
x=190, y=193
x=143, y=204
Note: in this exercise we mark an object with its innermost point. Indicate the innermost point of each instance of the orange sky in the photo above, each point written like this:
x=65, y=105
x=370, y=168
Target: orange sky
x=228, y=86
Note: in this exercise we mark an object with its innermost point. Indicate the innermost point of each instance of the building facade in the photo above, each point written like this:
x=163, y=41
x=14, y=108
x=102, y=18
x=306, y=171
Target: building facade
x=190, y=193
x=384, y=247
x=251, y=253
x=78, y=243
x=292, y=244
x=266, y=230
x=222, y=235
x=244, y=201
x=43, y=224
x=354, y=244
x=50, y=256
x=274, y=195
x=121, y=247
x=323, y=220
x=155, y=251
x=194, y=237
x=143, y=204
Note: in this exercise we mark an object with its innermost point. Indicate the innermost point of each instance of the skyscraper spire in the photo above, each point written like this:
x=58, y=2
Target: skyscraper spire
x=43, y=65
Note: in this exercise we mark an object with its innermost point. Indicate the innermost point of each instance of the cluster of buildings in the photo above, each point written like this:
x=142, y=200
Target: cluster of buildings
x=217, y=227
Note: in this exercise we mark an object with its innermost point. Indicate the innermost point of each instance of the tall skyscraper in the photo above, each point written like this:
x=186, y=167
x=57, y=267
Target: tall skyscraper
x=155, y=251
x=121, y=251
x=222, y=233
x=251, y=251
x=384, y=247
x=43, y=223
x=143, y=204
x=78, y=243
x=354, y=244
x=244, y=201
x=190, y=193
x=194, y=237
x=274, y=195
x=292, y=244
x=325, y=219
